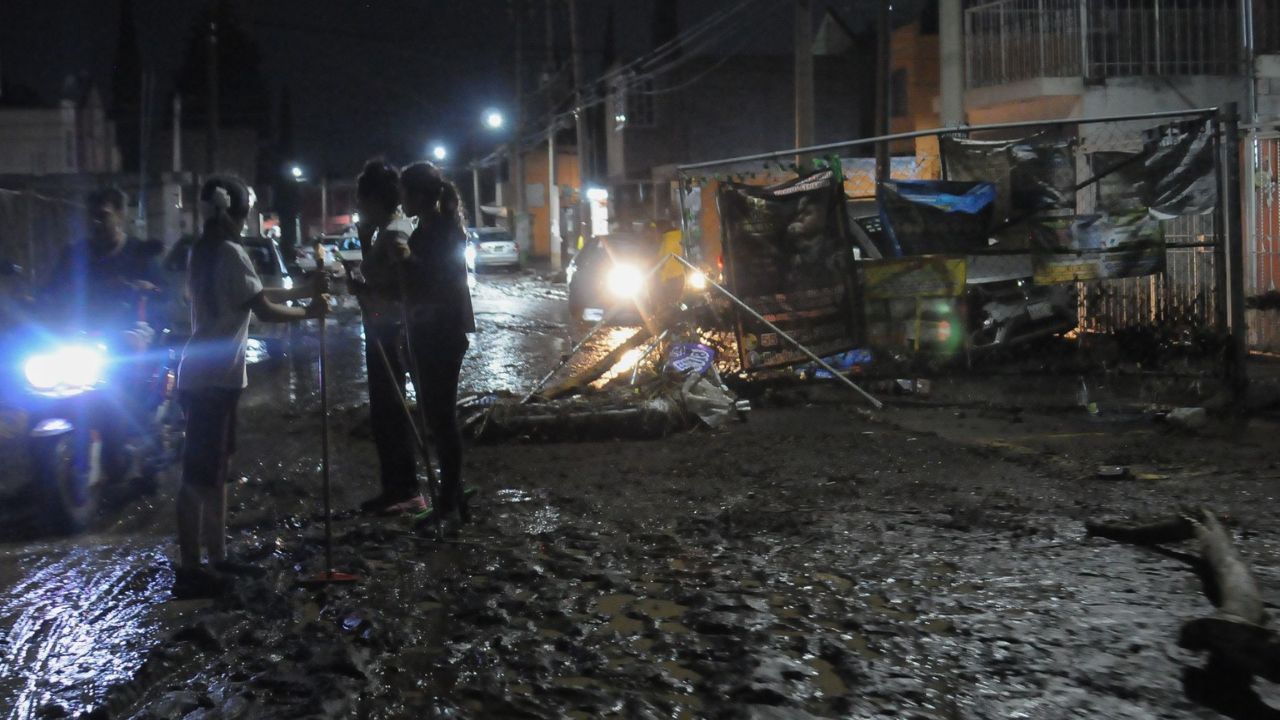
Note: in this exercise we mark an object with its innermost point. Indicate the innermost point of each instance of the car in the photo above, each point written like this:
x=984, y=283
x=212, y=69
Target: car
x=492, y=248
x=268, y=338
x=618, y=270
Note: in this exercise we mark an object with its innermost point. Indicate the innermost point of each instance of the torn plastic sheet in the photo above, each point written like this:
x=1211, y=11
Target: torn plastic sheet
x=1180, y=170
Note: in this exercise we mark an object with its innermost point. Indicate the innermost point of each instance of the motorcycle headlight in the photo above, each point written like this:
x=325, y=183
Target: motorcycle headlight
x=625, y=280
x=65, y=371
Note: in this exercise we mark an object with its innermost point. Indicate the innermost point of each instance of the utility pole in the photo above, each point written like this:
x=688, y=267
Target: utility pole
x=804, y=77
x=477, y=216
x=177, y=133
x=211, y=141
x=555, y=241
x=324, y=202
x=883, y=71
x=583, y=216
x=951, y=57
x=553, y=200
x=520, y=227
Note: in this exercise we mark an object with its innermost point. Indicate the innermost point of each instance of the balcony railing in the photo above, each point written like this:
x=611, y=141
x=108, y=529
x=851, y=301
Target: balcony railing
x=1012, y=40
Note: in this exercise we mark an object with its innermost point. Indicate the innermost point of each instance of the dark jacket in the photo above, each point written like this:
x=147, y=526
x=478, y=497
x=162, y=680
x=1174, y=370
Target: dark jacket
x=85, y=287
x=437, y=290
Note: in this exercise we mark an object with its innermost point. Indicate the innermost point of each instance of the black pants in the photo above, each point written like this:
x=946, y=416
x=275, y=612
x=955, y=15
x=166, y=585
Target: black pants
x=439, y=357
x=211, y=436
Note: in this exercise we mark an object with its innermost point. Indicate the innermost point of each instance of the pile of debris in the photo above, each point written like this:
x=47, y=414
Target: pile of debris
x=679, y=390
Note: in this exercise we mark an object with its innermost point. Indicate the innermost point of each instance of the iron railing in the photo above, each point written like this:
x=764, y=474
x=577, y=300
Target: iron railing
x=1012, y=40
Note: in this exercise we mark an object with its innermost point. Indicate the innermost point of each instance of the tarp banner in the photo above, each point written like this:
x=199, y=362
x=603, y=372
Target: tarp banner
x=787, y=251
x=936, y=217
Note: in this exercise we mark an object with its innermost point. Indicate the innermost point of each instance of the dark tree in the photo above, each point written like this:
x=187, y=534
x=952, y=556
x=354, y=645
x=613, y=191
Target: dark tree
x=126, y=88
x=666, y=22
x=242, y=92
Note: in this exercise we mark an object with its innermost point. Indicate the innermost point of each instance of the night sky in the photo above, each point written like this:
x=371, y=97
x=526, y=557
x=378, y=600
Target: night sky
x=391, y=76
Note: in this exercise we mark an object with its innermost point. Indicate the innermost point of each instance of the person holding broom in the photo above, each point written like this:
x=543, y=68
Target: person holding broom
x=438, y=317
x=224, y=288
x=384, y=237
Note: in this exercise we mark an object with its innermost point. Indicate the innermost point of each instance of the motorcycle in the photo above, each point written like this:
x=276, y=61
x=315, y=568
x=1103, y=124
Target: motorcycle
x=78, y=411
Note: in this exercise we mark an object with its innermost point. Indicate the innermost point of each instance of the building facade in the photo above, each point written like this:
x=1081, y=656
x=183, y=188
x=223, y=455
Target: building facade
x=72, y=137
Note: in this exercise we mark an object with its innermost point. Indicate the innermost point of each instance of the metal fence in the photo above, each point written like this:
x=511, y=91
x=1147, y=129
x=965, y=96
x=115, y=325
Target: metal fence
x=1013, y=40
x=1263, y=276
x=1170, y=315
x=35, y=227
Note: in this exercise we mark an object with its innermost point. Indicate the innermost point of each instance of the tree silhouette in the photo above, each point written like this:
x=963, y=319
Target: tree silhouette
x=242, y=92
x=126, y=88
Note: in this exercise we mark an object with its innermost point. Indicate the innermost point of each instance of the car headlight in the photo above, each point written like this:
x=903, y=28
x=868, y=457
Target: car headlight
x=67, y=370
x=625, y=280
x=697, y=280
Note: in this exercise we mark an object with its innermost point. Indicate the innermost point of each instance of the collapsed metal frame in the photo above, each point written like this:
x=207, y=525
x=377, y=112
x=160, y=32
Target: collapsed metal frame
x=1228, y=246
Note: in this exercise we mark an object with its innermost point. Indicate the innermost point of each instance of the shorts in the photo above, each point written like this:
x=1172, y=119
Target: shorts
x=211, y=435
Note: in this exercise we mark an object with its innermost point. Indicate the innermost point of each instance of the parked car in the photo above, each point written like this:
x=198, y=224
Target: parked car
x=268, y=261
x=489, y=248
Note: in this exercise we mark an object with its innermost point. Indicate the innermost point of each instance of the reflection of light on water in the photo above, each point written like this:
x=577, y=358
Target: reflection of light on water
x=256, y=352
x=77, y=625
x=612, y=338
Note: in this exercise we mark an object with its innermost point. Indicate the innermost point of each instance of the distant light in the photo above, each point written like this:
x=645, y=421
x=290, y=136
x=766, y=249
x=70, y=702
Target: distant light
x=355, y=218
x=297, y=171
x=439, y=153
x=596, y=194
x=494, y=120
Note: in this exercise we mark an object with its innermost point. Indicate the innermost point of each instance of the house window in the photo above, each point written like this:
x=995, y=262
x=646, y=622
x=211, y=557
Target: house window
x=898, y=93
x=633, y=104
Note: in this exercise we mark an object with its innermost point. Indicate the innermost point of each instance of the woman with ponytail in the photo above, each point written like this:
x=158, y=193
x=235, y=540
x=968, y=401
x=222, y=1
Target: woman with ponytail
x=439, y=316
x=224, y=288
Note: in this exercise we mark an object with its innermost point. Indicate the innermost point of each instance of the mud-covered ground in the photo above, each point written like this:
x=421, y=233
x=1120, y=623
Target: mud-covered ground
x=922, y=562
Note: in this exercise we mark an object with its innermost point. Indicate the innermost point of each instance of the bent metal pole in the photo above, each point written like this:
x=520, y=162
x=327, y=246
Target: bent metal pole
x=821, y=363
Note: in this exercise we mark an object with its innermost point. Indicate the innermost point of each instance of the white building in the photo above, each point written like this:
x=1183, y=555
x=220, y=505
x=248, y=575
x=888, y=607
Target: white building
x=1051, y=59
x=73, y=137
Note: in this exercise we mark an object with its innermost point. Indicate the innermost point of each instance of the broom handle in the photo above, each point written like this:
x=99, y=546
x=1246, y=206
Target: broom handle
x=324, y=428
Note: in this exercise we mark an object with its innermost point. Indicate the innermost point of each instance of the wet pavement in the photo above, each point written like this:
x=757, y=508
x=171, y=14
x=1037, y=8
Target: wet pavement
x=813, y=562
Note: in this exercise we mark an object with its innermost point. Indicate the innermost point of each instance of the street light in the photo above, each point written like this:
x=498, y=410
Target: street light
x=494, y=120
x=439, y=153
x=296, y=172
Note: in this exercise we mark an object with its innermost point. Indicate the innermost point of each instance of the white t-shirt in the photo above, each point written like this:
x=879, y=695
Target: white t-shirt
x=215, y=355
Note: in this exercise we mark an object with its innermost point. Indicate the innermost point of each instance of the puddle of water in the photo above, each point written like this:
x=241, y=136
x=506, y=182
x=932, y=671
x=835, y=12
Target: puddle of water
x=613, y=604
x=623, y=625
x=76, y=623
x=512, y=495
x=673, y=628
x=680, y=672
x=660, y=609
x=827, y=681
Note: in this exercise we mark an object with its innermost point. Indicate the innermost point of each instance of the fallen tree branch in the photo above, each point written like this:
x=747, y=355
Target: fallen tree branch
x=1176, y=529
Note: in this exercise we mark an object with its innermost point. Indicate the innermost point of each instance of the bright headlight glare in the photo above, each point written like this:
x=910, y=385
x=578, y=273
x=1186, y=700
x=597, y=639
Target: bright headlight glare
x=697, y=280
x=625, y=280
x=75, y=366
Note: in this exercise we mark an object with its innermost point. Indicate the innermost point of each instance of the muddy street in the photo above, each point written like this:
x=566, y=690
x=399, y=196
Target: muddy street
x=926, y=561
